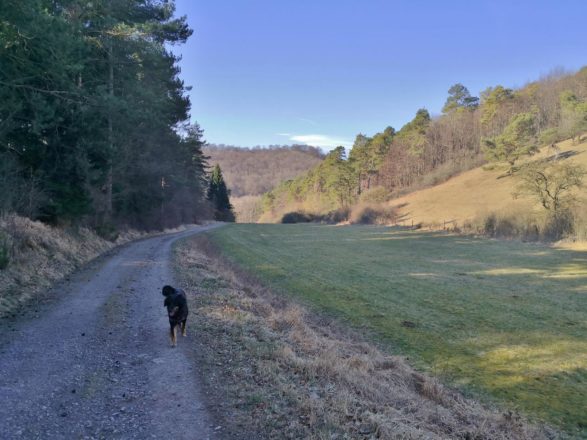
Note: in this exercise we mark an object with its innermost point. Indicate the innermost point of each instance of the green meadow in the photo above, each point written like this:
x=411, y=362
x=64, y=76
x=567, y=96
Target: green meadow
x=502, y=320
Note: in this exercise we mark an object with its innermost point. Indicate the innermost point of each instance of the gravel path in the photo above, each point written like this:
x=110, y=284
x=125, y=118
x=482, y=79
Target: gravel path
x=97, y=364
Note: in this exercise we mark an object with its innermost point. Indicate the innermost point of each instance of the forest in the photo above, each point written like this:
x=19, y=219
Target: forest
x=254, y=171
x=94, y=119
x=501, y=126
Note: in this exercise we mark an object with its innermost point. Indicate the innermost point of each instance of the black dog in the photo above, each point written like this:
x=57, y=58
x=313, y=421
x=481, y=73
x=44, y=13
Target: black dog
x=177, y=310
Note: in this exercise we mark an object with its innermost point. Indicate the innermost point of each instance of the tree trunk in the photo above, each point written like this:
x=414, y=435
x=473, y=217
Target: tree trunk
x=108, y=207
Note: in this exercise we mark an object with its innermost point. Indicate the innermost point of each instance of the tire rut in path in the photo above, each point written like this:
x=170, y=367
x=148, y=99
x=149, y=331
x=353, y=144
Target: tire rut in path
x=97, y=363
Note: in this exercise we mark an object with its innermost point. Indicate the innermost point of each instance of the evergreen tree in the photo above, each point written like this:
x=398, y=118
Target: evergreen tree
x=218, y=195
x=90, y=102
x=573, y=116
x=413, y=134
x=459, y=98
x=367, y=155
x=518, y=139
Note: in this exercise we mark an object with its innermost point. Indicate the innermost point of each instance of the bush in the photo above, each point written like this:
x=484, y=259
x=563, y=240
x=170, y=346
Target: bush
x=4, y=253
x=336, y=216
x=332, y=217
x=107, y=231
x=580, y=223
x=377, y=194
x=297, y=217
x=558, y=226
x=550, y=136
x=510, y=226
x=372, y=215
x=530, y=227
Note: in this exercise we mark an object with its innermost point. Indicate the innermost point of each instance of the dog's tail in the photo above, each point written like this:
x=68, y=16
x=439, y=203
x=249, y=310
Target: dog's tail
x=168, y=290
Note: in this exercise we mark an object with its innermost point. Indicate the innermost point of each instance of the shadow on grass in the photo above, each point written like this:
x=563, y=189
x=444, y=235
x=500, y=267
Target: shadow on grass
x=543, y=375
x=503, y=319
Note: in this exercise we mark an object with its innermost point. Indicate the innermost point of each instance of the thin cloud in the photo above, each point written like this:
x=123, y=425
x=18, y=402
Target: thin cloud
x=309, y=121
x=320, y=140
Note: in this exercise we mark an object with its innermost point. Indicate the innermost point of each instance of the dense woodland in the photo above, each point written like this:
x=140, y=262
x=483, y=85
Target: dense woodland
x=93, y=115
x=502, y=125
x=254, y=171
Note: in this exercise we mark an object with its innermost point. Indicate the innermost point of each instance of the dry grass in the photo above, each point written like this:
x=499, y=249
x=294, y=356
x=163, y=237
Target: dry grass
x=39, y=255
x=372, y=214
x=473, y=194
x=287, y=373
x=247, y=208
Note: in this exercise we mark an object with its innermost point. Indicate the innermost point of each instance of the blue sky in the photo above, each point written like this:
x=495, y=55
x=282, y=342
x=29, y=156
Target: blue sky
x=321, y=71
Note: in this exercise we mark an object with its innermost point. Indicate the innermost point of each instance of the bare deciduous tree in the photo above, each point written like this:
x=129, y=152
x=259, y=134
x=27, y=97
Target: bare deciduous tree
x=551, y=184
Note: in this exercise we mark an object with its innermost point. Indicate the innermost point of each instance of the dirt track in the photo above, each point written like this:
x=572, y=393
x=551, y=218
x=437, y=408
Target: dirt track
x=96, y=361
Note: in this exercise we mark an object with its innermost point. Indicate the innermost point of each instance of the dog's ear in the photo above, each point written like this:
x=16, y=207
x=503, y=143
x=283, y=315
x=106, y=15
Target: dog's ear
x=168, y=290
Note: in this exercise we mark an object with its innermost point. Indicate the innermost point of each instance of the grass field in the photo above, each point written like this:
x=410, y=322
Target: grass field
x=505, y=321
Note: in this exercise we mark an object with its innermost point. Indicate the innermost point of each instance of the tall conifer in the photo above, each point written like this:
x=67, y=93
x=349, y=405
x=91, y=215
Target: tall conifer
x=218, y=195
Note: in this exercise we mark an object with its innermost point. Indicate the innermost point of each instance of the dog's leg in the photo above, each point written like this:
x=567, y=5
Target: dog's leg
x=172, y=335
x=183, y=324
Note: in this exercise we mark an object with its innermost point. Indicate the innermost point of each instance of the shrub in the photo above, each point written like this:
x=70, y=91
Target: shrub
x=580, y=223
x=4, y=253
x=336, y=216
x=332, y=217
x=377, y=194
x=107, y=231
x=558, y=226
x=528, y=226
x=550, y=136
x=372, y=215
x=297, y=217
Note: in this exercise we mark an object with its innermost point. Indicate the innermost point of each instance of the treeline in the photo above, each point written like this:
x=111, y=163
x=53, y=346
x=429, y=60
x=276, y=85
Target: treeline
x=93, y=115
x=254, y=171
x=501, y=125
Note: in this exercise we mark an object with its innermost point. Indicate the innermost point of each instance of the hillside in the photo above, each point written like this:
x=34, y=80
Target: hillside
x=254, y=171
x=473, y=194
x=34, y=256
x=501, y=125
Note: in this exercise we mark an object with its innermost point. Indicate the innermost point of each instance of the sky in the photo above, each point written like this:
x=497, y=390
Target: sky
x=320, y=72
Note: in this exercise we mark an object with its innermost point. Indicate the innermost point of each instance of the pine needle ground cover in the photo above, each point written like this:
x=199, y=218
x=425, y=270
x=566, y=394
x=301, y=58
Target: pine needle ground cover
x=504, y=321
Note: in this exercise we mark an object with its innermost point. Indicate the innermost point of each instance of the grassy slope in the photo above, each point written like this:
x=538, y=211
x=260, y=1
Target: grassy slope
x=502, y=319
x=471, y=194
x=39, y=256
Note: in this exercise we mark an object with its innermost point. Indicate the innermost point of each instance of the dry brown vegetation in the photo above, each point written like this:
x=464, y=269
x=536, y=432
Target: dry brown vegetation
x=254, y=171
x=35, y=255
x=284, y=372
x=250, y=172
x=485, y=196
x=246, y=208
x=38, y=255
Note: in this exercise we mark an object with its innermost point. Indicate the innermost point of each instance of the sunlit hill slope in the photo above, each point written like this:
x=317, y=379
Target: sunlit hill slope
x=477, y=192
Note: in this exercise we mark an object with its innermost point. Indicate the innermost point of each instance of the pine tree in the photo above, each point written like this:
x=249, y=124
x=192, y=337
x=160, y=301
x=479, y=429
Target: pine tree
x=519, y=138
x=218, y=195
x=90, y=103
x=459, y=98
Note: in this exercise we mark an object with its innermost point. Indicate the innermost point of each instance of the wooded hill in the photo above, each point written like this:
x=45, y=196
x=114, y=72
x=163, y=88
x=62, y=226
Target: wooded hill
x=502, y=125
x=254, y=171
x=93, y=116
